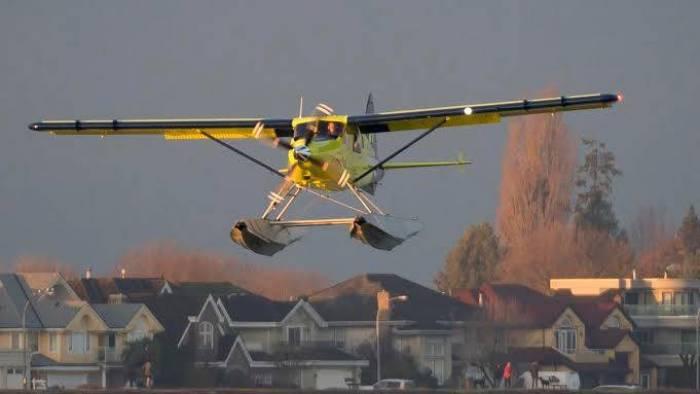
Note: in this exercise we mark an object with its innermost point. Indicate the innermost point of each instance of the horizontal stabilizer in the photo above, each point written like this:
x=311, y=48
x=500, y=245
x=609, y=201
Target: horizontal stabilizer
x=421, y=164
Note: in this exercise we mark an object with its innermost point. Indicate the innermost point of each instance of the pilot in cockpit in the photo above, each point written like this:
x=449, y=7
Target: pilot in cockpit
x=332, y=130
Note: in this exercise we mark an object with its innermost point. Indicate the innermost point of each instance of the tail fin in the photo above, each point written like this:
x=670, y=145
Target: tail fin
x=369, y=108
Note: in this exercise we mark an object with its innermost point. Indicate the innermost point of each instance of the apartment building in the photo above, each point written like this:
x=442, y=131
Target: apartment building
x=664, y=311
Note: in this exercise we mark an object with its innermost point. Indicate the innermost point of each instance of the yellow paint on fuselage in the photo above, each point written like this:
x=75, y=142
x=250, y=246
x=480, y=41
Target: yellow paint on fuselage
x=342, y=153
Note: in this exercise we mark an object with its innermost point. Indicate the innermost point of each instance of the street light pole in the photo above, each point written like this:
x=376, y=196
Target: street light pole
x=697, y=351
x=376, y=326
x=25, y=367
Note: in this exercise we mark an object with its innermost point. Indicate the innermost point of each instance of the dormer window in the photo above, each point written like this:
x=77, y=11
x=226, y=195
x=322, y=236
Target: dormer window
x=206, y=335
x=295, y=335
x=565, y=337
x=614, y=322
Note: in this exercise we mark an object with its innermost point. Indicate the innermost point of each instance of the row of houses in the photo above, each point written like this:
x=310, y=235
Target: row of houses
x=75, y=334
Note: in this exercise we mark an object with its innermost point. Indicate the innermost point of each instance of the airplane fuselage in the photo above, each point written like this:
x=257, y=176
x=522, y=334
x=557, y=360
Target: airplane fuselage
x=346, y=154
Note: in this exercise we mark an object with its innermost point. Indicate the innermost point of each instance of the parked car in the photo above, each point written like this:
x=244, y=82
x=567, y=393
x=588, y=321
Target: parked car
x=391, y=384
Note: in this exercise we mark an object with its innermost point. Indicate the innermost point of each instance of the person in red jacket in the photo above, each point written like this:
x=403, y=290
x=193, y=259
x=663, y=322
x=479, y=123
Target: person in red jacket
x=507, y=373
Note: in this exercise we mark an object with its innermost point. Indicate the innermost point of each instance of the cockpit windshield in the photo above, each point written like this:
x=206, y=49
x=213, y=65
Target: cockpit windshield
x=323, y=130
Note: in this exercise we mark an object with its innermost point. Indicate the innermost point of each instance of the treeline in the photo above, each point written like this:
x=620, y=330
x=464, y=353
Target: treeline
x=176, y=263
x=556, y=219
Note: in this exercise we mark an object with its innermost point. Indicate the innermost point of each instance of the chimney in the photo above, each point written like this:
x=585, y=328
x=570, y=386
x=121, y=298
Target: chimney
x=123, y=273
x=88, y=273
x=634, y=274
x=481, y=299
x=665, y=274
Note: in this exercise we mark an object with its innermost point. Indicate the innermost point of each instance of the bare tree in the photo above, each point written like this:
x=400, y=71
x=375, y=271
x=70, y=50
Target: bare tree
x=537, y=176
x=34, y=263
x=173, y=262
x=649, y=228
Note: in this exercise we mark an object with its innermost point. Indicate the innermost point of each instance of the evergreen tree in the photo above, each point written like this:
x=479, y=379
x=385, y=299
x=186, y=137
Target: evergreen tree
x=689, y=233
x=472, y=261
x=594, y=178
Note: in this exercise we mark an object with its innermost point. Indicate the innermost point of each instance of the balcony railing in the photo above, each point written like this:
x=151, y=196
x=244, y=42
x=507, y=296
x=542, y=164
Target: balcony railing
x=108, y=355
x=668, y=348
x=661, y=310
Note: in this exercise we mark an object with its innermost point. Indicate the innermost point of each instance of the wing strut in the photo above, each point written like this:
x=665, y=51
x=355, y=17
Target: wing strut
x=403, y=148
x=240, y=152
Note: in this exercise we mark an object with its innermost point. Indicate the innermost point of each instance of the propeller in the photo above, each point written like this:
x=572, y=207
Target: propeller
x=302, y=152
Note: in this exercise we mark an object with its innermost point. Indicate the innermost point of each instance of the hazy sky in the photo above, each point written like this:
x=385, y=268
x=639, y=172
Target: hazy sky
x=85, y=201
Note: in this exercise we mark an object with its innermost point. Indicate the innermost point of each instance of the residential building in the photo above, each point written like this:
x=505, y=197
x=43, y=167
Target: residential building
x=314, y=342
x=63, y=341
x=590, y=337
x=664, y=311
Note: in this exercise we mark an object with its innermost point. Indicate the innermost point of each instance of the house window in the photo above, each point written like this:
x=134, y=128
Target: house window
x=435, y=348
x=53, y=342
x=614, y=322
x=688, y=336
x=667, y=298
x=263, y=379
x=632, y=298
x=644, y=380
x=565, y=337
x=15, y=341
x=107, y=340
x=645, y=336
x=437, y=366
x=206, y=335
x=339, y=337
x=77, y=342
x=295, y=335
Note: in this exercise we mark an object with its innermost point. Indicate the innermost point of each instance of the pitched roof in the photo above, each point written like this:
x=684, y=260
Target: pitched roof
x=98, y=290
x=206, y=288
x=519, y=305
x=255, y=308
x=116, y=315
x=42, y=311
x=172, y=312
x=356, y=300
x=514, y=304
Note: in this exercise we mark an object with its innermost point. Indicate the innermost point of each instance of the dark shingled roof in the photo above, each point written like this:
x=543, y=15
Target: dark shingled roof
x=172, y=312
x=206, y=288
x=356, y=300
x=98, y=290
x=519, y=305
x=255, y=308
x=514, y=304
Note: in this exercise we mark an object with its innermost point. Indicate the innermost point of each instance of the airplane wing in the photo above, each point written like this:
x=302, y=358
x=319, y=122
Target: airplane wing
x=170, y=129
x=466, y=115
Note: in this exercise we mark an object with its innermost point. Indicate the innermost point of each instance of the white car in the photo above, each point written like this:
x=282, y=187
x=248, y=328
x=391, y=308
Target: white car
x=391, y=384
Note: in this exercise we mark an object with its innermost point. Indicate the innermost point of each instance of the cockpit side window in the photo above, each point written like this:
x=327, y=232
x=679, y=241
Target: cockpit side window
x=329, y=130
x=323, y=130
x=303, y=129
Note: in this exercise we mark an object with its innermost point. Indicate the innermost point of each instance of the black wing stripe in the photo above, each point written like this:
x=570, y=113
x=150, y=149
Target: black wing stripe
x=375, y=123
